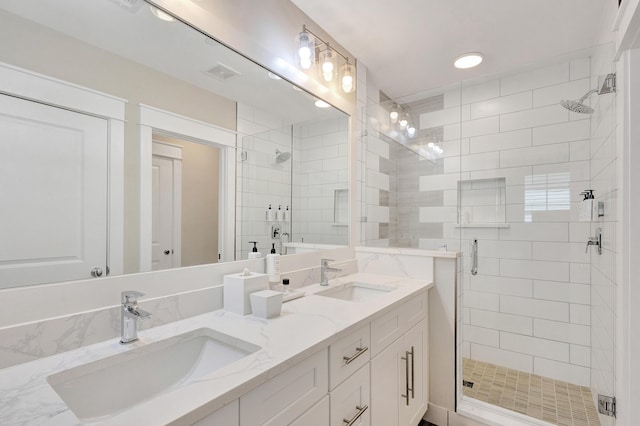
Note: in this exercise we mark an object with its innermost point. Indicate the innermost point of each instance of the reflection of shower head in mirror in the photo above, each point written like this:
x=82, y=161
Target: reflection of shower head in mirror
x=281, y=157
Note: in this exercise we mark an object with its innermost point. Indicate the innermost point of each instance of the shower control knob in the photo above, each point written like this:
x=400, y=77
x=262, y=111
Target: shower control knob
x=167, y=252
x=96, y=272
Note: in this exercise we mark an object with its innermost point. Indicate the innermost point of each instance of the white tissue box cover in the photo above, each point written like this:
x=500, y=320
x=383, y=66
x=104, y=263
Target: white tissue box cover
x=237, y=288
x=266, y=303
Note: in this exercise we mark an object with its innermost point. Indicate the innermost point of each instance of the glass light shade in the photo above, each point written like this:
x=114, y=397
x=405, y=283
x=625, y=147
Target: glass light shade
x=348, y=78
x=306, y=49
x=394, y=114
x=404, y=121
x=468, y=60
x=327, y=64
x=411, y=131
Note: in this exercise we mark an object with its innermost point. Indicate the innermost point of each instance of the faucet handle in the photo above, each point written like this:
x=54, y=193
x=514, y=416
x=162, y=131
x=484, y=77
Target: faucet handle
x=325, y=262
x=130, y=295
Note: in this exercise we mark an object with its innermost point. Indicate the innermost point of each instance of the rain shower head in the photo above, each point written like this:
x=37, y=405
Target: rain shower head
x=608, y=86
x=577, y=105
x=281, y=157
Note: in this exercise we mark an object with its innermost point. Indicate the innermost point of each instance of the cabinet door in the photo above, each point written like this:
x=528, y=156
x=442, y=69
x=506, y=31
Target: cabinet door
x=229, y=415
x=385, y=386
x=289, y=394
x=414, y=370
x=350, y=402
x=318, y=415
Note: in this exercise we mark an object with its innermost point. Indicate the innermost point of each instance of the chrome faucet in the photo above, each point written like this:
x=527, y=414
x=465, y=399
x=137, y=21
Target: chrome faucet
x=129, y=315
x=324, y=268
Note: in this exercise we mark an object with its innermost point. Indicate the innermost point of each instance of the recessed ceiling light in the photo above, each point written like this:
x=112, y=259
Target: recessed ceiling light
x=468, y=60
x=274, y=76
x=322, y=104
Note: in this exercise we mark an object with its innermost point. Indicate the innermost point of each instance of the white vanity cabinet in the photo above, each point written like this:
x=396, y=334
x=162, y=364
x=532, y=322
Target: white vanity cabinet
x=288, y=395
x=399, y=371
x=350, y=401
x=229, y=415
x=348, y=355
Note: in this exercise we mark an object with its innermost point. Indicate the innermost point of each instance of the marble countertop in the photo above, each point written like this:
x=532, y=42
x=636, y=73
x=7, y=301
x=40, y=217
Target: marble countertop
x=304, y=326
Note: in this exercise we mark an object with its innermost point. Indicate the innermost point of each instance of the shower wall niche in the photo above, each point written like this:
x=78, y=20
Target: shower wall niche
x=482, y=202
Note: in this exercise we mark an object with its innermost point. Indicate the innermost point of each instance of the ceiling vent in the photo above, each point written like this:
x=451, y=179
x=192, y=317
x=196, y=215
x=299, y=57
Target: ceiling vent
x=130, y=5
x=222, y=72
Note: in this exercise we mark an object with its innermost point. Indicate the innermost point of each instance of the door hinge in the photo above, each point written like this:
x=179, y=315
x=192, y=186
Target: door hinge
x=607, y=405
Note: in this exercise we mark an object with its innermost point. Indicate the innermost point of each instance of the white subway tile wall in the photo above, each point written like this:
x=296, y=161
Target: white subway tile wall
x=539, y=303
x=306, y=183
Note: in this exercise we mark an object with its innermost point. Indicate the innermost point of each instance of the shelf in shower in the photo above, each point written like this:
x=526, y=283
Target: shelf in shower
x=484, y=225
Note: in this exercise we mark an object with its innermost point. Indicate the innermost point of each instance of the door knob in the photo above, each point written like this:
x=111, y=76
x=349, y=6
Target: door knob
x=167, y=252
x=96, y=272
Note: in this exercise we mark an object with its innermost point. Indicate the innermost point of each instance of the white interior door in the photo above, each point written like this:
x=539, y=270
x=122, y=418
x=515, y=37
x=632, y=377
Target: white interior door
x=53, y=187
x=166, y=207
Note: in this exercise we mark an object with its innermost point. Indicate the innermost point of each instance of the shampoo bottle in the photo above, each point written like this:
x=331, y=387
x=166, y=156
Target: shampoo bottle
x=270, y=214
x=254, y=253
x=280, y=214
x=287, y=215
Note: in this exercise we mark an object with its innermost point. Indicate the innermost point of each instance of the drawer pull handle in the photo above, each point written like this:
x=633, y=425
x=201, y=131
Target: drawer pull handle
x=359, y=351
x=405, y=358
x=413, y=380
x=355, y=418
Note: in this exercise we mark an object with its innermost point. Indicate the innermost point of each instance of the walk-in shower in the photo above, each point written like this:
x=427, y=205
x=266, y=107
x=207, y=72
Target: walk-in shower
x=535, y=330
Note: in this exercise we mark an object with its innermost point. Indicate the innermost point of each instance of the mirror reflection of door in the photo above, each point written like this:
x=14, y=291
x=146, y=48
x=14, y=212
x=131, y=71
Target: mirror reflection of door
x=53, y=187
x=186, y=179
x=167, y=206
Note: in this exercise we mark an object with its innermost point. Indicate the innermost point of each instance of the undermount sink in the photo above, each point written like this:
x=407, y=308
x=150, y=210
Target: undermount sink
x=355, y=291
x=101, y=389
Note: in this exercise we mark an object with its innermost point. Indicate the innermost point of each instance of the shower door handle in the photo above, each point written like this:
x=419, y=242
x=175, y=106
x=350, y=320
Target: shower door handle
x=474, y=257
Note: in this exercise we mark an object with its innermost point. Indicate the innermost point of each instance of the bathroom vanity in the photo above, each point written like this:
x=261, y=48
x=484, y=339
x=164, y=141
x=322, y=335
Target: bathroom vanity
x=356, y=350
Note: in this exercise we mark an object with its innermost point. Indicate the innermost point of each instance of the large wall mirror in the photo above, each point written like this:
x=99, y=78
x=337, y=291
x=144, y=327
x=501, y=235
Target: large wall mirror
x=286, y=152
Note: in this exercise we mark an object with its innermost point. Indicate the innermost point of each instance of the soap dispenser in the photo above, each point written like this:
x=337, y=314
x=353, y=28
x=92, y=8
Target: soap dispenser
x=254, y=253
x=280, y=214
x=273, y=265
x=287, y=215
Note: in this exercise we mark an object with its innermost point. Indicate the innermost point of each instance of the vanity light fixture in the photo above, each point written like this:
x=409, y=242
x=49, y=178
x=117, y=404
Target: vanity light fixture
x=348, y=74
x=394, y=114
x=306, y=48
x=161, y=14
x=404, y=121
x=310, y=47
x=468, y=60
x=411, y=131
x=327, y=66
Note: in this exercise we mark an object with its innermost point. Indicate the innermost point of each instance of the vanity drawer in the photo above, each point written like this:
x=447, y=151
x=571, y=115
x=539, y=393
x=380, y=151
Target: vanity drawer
x=395, y=323
x=285, y=397
x=348, y=354
x=227, y=415
x=318, y=415
x=351, y=400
